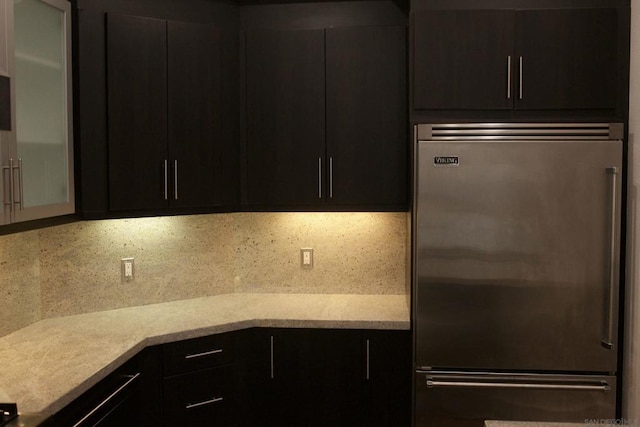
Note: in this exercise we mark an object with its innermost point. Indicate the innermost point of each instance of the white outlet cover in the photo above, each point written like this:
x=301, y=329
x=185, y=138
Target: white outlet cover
x=127, y=269
x=306, y=257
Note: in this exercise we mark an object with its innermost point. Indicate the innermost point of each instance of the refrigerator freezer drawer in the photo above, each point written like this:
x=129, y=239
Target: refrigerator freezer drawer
x=447, y=399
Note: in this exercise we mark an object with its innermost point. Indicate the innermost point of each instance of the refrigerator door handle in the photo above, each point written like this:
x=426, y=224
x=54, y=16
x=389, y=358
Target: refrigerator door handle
x=608, y=341
x=601, y=386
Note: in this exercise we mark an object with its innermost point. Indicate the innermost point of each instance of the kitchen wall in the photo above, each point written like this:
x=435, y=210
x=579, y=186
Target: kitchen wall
x=75, y=268
x=631, y=377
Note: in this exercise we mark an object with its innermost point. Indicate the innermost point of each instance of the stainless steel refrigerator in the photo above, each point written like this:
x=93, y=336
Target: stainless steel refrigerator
x=516, y=246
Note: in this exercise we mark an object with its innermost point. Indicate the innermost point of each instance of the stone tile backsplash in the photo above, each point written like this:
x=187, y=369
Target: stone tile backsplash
x=19, y=281
x=75, y=268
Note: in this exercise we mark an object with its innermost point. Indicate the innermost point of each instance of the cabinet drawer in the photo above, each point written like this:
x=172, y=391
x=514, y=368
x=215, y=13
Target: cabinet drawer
x=200, y=398
x=197, y=354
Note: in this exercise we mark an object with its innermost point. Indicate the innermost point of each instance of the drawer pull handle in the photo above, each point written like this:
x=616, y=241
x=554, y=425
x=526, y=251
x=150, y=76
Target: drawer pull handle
x=206, y=402
x=206, y=353
x=130, y=379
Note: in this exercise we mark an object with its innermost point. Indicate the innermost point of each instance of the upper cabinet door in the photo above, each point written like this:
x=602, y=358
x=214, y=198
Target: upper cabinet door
x=366, y=115
x=285, y=79
x=195, y=139
x=567, y=58
x=137, y=113
x=43, y=153
x=463, y=59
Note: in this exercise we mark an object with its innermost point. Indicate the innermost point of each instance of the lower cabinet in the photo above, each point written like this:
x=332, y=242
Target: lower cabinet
x=199, y=380
x=386, y=391
x=334, y=377
x=315, y=377
x=129, y=397
x=258, y=377
x=200, y=398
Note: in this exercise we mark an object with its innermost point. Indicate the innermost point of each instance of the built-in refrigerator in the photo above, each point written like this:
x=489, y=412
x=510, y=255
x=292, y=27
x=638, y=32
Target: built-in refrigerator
x=516, y=249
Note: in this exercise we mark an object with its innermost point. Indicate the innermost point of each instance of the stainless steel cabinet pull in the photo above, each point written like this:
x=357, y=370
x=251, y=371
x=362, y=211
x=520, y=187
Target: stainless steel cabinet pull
x=206, y=402
x=521, y=82
x=509, y=77
x=4, y=187
x=272, y=370
x=331, y=177
x=166, y=181
x=319, y=177
x=131, y=379
x=608, y=341
x=368, y=358
x=20, y=187
x=600, y=387
x=13, y=201
x=9, y=201
x=205, y=353
x=12, y=188
x=175, y=180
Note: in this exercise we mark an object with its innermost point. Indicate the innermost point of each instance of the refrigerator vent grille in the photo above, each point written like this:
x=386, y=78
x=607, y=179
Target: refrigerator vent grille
x=519, y=131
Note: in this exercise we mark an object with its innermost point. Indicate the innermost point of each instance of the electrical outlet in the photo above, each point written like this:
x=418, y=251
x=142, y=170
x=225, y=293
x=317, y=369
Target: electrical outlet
x=127, y=270
x=306, y=258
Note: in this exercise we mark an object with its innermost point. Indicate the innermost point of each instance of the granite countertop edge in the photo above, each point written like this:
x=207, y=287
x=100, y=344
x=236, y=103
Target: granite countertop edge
x=52, y=362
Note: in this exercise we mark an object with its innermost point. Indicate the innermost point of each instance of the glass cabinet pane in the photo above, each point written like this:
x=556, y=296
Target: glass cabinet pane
x=41, y=101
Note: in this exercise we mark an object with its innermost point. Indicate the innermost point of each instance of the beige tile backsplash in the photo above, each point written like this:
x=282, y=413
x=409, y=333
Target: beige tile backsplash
x=19, y=281
x=75, y=268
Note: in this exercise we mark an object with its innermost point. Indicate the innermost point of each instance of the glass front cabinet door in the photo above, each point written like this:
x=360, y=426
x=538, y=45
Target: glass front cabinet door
x=37, y=152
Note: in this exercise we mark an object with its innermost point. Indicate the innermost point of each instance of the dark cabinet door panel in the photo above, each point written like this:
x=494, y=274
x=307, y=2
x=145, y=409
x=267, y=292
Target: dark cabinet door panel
x=388, y=374
x=285, y=117
x=366, y=115
x=196, y=145
x=461, y=59
x=569, y=58
x=316, y=378
x=137, y=111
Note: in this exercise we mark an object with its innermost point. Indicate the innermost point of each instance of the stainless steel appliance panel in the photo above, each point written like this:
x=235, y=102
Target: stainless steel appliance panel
x=517, y=254
x=467, y=400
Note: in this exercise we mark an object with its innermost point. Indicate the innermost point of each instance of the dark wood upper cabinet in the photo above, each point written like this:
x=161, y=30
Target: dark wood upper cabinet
x=168, y=138
x=517, y=59
x=195, y=108
x=367, y=115
x=195, y=114
x=326, y=118
x=569, y=58
x=461, y=59
x=285, y=108
x=137, y=111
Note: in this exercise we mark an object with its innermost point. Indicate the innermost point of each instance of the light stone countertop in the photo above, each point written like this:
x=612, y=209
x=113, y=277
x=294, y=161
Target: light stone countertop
x=48, y=364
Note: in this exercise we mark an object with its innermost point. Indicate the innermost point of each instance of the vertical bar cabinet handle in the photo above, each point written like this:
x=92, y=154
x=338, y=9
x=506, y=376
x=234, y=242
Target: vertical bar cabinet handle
x=521, y=82
x=368, y=361
x=331, y=177
x=175, y=180
x=319, y=177
x=21, y=186
x=509, y=77
x=272, y=368
x=12, y=191
x=166, y=181
x=608, y=341
x=6, y=200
